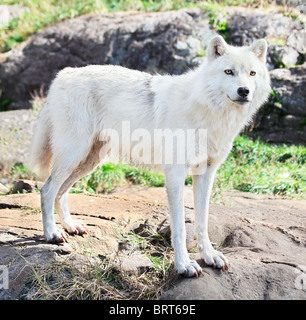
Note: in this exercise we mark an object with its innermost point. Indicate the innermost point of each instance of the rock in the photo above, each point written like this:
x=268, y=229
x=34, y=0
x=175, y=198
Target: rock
x=3, y=189
x=281, y=56
x=144, y=229
x=289, y=88
x=246, y=25
x=265, y=252
x=286, y=108
x=286, y=38
x=135, y=264
x=22, y=245
x=124, y=247
x=191, y=241
x=20, y=262
x=263, y=237
x=165, y=232
x=245, y=280
x=297, y=40
x=147, y=42
x=182, y=48
x=24, y=186
x=293, y=121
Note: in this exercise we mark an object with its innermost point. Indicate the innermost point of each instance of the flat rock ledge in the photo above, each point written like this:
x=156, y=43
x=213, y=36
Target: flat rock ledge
x=263, y=237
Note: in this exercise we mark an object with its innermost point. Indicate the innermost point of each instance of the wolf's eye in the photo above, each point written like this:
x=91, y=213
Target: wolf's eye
x=228, y=71
x=252, y=73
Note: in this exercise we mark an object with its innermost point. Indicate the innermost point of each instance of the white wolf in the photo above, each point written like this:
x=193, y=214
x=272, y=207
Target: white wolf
x=221, y=95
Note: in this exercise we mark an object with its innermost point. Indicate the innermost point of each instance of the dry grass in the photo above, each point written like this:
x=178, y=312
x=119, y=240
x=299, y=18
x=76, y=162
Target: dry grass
x=83, y=277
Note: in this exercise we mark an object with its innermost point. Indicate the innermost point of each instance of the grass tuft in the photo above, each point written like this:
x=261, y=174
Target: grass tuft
x=256, y=166
x=96, y=279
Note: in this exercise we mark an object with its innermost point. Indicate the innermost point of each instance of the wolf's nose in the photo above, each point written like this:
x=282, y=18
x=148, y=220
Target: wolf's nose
x=243, y=91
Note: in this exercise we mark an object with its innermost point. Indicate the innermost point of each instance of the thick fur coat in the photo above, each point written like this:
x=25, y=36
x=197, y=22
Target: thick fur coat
x=84, y=105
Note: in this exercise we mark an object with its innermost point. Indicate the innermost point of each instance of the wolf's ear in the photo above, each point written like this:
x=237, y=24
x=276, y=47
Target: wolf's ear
x=259, y=48
x=216, y=48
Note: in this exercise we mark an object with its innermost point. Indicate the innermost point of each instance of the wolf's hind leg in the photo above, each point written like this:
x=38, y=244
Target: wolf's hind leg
x=48, y=194
x=66, y=159
x=89, y=162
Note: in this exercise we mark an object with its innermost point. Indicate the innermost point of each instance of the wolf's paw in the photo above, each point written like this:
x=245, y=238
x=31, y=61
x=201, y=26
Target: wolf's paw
x=189, y=269
x=75, y=227
x=214, y=258
x=57, y=236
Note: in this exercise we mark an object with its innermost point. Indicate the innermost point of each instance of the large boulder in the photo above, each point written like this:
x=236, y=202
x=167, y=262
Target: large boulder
x=167, y=42
x=289, y=89
x=264, y=246
x=286, y=36
x=286, y=109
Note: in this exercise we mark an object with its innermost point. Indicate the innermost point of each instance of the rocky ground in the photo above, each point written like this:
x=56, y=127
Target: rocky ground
x=262, y=236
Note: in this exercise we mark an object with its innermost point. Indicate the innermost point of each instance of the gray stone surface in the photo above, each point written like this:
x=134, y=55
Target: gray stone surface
x=150, y=42
x=289, y=87
x=264, y=238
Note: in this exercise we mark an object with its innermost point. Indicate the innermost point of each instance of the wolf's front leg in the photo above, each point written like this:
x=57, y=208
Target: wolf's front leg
x=175, y=181
x=202, y=186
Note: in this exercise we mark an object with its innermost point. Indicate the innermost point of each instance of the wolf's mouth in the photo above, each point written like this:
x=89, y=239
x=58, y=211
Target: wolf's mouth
x=239, y=101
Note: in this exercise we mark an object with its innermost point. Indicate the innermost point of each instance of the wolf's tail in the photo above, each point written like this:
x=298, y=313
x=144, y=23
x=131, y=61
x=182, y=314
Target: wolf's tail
x=41, y=149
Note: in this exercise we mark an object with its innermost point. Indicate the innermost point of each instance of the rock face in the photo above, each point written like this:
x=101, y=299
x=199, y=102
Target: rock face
x=262, y=236
x=255, y=237
x=291, y=98
x=286, y=54
x=286, y=108
x=286, y=37
x=157, y=42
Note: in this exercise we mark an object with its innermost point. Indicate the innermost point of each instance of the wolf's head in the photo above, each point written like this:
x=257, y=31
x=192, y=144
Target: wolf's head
x=236, y=76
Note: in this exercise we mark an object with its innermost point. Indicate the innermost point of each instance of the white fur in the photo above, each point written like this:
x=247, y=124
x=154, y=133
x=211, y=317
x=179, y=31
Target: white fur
x=84, y=102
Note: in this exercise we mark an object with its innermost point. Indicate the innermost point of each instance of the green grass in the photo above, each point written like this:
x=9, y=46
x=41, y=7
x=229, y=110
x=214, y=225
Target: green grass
x=255, y=166
x=19, y=171
x=109, y=175
x=252, y=166
x=40, y=13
